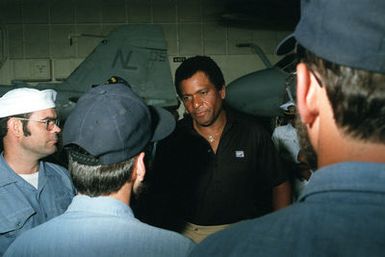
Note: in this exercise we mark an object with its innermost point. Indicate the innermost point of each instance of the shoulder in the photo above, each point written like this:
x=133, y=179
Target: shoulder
x=279, y=130
x=248, y=128
x=56, y=169
x=264, y=236
x=59, y=172
x=184, y=125
x=248, y=122
x=135, y=235
x=23, y=243
x=183, y=131
x=167, y=241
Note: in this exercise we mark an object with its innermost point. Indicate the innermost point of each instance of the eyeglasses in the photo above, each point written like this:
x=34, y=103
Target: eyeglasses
x=49, y=123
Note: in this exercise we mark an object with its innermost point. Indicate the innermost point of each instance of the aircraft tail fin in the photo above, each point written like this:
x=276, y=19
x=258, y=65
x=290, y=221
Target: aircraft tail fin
x=136, y=53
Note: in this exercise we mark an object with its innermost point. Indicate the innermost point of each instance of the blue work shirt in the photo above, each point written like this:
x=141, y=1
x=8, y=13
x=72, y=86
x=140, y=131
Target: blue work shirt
x=23, y=207
x=341, y=213
x=99, y=226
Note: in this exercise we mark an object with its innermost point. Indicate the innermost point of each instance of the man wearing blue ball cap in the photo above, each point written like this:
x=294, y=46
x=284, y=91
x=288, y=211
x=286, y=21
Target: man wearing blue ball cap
x=106, y=135
x=341, y=104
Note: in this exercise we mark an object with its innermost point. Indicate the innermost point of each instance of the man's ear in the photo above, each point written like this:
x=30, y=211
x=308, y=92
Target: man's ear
x=307, y=94
x=140, y=168
x=222, y=92
x=138, y=173
x=15, y=127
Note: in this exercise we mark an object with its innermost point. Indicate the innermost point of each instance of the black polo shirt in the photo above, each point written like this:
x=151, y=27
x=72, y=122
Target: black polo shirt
x=208, y=188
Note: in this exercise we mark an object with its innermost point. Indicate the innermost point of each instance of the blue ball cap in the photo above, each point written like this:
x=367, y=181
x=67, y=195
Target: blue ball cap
x=345, y=32
x=113, y=124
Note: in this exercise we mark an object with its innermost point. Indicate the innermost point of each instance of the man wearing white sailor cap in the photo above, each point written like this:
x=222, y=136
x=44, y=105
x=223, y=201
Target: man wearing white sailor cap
x=287, y=143
x=31, y=191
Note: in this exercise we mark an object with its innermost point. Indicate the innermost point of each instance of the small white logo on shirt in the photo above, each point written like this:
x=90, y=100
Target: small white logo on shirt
x=239, y=154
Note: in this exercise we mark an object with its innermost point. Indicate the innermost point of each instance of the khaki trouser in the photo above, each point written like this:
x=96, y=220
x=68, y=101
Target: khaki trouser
x=197, y=233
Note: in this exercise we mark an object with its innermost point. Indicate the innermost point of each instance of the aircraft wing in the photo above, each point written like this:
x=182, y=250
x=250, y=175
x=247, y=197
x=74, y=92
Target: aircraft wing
x=259, y=93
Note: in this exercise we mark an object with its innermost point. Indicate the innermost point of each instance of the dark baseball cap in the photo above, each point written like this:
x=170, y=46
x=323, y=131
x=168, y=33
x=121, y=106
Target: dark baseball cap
x=345, y=32
x=113, y=124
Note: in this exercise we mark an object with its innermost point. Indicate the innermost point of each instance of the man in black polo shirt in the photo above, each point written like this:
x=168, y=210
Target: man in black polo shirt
x=218, y=167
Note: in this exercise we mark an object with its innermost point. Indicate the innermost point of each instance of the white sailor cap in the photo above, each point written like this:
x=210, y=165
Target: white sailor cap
x=288, y=108
x=26, y=100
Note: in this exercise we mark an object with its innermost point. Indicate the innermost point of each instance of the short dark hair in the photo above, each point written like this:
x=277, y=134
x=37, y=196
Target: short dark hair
x=199, y=63
x=4, y=126
x=100, y=179
x=357, y=97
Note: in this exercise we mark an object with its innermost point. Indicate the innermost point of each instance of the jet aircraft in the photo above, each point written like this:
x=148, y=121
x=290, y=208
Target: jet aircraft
x=136, y=53
x=260, y=93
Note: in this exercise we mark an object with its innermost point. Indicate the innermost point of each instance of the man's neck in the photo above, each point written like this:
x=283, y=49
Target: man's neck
x=215, y=128
x=123, y=194
x=213, y=133
x=21, y=164
x=352, y=151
